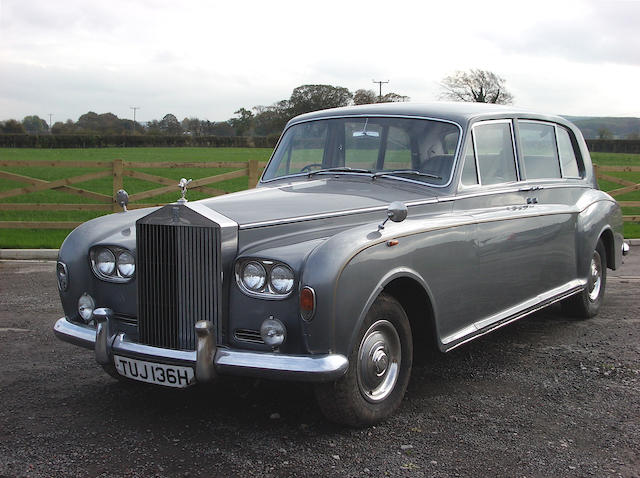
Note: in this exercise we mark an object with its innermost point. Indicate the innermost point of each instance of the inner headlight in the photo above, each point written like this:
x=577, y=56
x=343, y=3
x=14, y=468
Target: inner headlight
x=126, y=264
x=106, y=262
x=254, y=276
x=281, y=279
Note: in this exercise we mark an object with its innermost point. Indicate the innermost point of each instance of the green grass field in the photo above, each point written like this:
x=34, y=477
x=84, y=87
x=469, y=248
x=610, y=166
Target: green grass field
x=52, y=238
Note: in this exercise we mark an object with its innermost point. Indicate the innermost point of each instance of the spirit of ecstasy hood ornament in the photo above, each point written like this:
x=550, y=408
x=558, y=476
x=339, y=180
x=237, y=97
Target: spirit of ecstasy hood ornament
x=183, y=187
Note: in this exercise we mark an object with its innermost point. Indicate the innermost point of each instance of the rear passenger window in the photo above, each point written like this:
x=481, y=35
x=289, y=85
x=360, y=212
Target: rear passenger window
x=539, y=152
x=567, y=155
x=494, y=150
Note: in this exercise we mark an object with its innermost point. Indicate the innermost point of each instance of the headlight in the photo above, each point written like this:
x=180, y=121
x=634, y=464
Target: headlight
x=112, y=263
x=254, y=276
x=264, y=278
x=126, y=264
x=281, y=278
x=86, y=305
x=106, y=262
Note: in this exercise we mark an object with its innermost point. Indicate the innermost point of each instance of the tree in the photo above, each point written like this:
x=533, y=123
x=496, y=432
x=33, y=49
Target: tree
x=170, y=125
x=35, y=125
x=68, y=127
x=605, y=133
x=307, y=98
x=12, y=127
x=364, y=97
x=244, y=123
x=479, y=86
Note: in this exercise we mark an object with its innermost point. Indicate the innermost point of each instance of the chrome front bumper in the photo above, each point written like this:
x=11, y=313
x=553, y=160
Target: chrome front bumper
x=208, y=360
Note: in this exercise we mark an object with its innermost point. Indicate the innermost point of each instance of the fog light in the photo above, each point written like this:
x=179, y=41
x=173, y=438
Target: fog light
x=86, y=304
x=273, y=332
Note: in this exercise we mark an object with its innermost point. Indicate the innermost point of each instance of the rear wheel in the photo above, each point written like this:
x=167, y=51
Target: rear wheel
x=379, y=369
x=587, y=303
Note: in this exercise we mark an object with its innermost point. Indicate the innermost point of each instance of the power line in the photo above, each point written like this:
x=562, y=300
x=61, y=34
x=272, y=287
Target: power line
x=380, y=85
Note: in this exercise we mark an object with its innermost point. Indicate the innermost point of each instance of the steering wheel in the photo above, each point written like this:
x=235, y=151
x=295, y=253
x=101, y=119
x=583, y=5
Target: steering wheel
x=307, y=168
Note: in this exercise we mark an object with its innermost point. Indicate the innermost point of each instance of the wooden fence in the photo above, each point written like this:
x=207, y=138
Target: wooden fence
x=118, y=170
x=627, y=186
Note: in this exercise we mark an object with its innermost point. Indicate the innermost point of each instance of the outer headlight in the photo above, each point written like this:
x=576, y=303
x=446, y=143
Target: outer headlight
x=112, y=263
x=254, y=276
x=281, y=279
x=105, y=262
x=126, y=264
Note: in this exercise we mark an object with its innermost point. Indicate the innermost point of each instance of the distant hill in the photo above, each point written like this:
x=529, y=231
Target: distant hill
x=594, y=127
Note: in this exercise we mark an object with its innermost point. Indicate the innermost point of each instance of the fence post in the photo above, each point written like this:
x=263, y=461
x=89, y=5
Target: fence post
x=253, y=173
x=118, y=168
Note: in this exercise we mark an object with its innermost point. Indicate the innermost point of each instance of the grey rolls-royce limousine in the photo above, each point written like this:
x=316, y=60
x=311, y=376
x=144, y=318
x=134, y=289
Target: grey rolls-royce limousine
x=373, y=231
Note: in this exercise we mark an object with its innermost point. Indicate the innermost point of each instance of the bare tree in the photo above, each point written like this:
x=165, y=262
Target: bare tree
x=479, y=86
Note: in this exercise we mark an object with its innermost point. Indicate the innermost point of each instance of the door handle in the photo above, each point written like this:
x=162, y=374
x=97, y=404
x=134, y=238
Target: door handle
x=532, y=200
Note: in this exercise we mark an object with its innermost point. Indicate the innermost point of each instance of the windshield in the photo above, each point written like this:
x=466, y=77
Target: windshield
x=418, y=149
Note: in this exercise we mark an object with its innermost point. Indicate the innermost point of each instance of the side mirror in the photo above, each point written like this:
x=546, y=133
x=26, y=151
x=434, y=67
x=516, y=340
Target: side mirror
x=397, y=212
x=122, y=198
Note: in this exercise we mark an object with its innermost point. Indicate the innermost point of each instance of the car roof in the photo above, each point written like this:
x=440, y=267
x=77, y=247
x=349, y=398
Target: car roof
x=458, y=112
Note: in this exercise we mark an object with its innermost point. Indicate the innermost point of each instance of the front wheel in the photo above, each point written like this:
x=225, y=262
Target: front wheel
x=586, y=304
x=379, y=369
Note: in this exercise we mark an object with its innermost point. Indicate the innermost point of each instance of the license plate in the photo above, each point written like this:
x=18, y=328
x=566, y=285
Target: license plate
x=160, y=374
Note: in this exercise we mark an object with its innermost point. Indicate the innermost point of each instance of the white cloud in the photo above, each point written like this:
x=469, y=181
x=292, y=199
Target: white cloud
x=209, y=58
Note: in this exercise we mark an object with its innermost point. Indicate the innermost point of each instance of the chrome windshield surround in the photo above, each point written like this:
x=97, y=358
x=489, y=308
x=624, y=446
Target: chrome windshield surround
x=329, y=117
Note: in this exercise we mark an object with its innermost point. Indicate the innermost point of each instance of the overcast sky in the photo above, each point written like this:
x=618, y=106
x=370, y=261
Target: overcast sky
x=209, y=58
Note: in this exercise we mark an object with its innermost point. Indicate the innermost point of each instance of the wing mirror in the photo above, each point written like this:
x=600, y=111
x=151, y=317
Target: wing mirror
x=122, y=198
x=397, y=212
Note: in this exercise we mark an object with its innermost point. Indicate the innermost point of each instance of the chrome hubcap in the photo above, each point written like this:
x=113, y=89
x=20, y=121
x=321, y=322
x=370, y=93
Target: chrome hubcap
x=595, y=277
x=378, y=361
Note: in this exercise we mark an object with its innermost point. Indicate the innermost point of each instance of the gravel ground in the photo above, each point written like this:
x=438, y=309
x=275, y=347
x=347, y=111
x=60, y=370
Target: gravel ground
x=546, y=396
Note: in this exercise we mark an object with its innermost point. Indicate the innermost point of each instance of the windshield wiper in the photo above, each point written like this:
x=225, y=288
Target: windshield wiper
x=405, y=171
x=340, y=169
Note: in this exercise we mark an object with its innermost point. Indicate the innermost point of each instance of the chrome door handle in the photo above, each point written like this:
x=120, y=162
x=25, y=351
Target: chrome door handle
x=532, y=200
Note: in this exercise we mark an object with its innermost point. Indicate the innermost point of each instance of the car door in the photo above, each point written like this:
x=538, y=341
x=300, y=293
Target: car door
x=553, y=186
x=511, y=240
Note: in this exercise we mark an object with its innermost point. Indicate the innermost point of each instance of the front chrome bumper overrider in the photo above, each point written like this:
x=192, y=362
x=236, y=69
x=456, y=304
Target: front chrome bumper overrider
x=207, y=360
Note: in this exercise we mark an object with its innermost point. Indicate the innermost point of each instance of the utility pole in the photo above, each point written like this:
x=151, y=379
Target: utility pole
x=380, y=84
x=134, y=108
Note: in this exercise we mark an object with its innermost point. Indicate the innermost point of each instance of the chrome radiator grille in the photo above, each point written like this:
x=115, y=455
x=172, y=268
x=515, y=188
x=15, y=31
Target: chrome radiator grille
x=178, y=274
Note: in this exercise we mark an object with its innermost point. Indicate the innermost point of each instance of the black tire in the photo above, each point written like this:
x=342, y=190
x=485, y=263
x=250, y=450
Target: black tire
x=587, y=303
x=372, y=389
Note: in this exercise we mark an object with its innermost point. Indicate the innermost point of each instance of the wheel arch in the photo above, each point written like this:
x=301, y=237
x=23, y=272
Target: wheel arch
x=413, y=293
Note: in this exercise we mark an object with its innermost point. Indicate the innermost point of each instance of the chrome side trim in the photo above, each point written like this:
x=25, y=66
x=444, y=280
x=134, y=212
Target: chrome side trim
x=312, y=368
x=311, y=217
x=514, y=313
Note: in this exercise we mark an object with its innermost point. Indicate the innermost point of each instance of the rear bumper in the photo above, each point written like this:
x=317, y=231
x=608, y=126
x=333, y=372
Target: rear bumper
x=208, y=360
